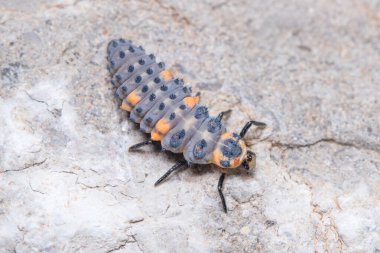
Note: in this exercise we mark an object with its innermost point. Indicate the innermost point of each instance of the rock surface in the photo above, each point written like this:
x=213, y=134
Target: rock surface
x=309, y=69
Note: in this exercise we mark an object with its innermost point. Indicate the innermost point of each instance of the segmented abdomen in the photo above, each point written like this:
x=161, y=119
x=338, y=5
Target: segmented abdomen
x=161, y=104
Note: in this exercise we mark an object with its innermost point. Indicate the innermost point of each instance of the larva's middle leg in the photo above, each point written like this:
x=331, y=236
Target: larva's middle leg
x=176, y=166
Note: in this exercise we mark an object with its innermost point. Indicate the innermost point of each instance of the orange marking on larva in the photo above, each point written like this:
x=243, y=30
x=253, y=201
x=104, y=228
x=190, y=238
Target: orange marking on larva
x=191, y=101
x=236, y=162
x=133, y=98
x=226, y=136
x=163, y=126
x=155, y=136
x=216, y=157
x=197, y=99
x=167, y=75
x=125, y=106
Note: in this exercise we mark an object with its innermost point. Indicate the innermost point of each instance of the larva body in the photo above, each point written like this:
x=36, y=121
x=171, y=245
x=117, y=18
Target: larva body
x=166, y=109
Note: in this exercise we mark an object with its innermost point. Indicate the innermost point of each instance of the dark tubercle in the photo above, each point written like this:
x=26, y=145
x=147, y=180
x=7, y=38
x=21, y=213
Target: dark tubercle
x=145, y=88
x=214, y=125
x=149, y=120
x=152, y=97
x=177, y=139
x=138, y=109
x=138, y=79
x=199, y=149
x=201, y=112
x=157, y=80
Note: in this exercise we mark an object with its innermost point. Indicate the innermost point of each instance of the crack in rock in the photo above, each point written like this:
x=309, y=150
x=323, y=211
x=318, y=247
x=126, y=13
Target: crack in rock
x=327, y=140
x=34, y=190
x=97, y=186
x=123, y=243
x=55, y=112
x=27, y=166
x=175, y=14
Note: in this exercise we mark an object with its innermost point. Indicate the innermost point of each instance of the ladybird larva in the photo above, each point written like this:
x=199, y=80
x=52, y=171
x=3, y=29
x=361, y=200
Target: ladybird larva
x=166, y=108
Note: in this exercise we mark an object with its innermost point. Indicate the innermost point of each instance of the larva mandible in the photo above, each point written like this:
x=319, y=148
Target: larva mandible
x=166, y=109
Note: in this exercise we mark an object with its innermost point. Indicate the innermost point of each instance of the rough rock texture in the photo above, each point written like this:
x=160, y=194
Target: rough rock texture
x=309, y=69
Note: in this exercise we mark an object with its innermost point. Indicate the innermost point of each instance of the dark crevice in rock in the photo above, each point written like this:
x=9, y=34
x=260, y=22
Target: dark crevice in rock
x=27, y=166
x=323, y=140
x=123, y=243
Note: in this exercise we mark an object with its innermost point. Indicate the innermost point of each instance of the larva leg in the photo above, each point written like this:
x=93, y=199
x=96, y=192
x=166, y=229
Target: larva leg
x=249, y=124
x=141, y=144
x=220, y=187
x=220, y=116
x=176, y=166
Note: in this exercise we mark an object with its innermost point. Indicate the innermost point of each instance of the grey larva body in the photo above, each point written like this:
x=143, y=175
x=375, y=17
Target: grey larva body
x=165, y=108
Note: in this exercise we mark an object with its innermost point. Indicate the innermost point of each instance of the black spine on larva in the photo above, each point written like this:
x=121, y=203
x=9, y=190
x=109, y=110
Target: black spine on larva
x=131, y=69
x=119, y=51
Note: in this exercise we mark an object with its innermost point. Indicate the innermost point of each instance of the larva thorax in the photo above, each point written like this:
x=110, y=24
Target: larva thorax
x=166, y=109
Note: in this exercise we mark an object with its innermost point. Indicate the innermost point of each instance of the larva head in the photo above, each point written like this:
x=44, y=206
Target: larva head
x=249, y=162
x=231, y=150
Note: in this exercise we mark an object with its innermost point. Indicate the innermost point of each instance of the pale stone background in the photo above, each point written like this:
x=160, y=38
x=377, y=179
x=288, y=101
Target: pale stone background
x=309, y=69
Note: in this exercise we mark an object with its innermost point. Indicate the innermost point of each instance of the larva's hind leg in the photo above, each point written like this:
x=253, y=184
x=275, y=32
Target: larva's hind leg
x=141, y=144
x=220, y=187
x=176, y=166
